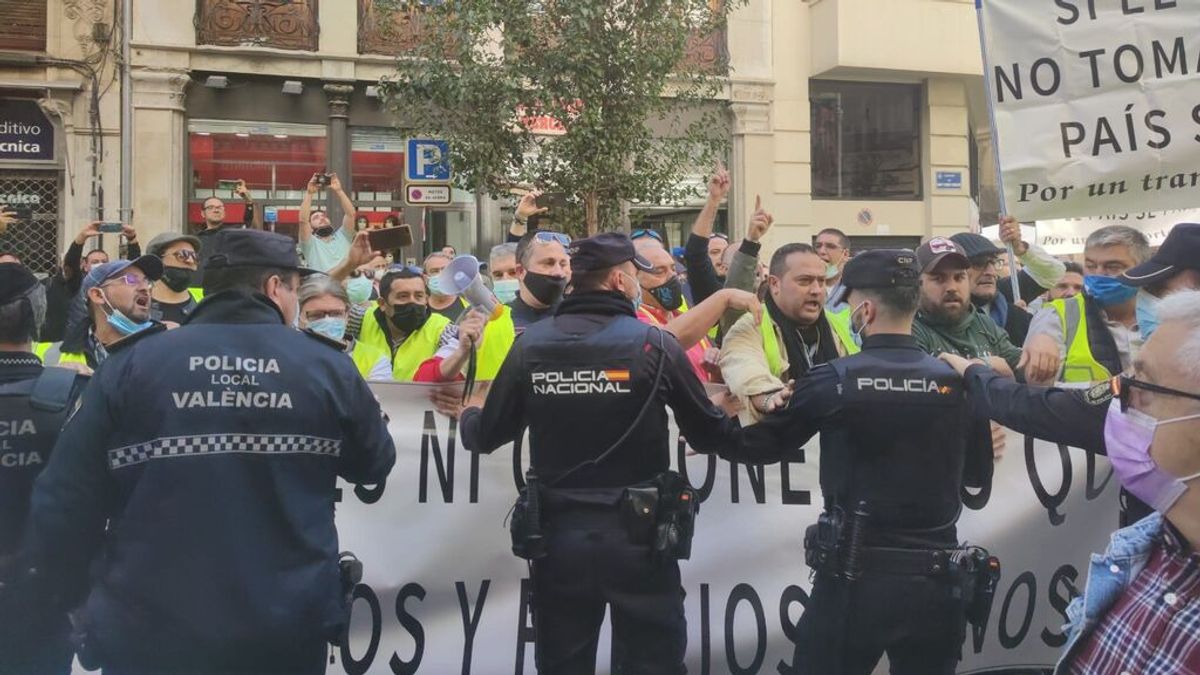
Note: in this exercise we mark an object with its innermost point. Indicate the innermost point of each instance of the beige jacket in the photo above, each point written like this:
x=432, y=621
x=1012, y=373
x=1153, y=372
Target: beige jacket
x=744, y=365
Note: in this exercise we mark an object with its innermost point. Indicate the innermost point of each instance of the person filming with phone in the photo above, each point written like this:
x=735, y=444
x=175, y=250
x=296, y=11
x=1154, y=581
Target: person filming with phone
x=323, y=244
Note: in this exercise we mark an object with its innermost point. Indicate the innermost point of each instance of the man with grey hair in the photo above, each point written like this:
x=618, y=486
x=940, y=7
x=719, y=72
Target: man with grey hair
x=1094, y=335
x=502, y=267
x=324, y=311
x=1140, y=593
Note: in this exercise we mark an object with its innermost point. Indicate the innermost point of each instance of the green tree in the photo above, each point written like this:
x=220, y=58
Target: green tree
x=631, y=113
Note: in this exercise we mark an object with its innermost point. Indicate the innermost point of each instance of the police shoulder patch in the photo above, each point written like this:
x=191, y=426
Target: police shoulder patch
x=1099, y=394
x=328, y=342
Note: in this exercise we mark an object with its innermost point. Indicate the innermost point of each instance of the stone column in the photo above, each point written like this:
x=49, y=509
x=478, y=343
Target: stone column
x=160, y=189
x=753, y=154
x=337, y=142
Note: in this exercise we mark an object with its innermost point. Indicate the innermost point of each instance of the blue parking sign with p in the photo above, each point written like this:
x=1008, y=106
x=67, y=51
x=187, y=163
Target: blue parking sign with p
x=428, y=160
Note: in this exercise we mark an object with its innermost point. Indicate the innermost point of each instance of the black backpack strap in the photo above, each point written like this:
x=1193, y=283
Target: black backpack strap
x=52, y=390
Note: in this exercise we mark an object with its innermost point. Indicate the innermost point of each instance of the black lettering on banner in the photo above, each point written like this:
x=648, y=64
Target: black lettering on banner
x=470, y=619
x=736, y=596
x=1050, y=501
x=1012, y=640
x=791, y=595
x=351, y=665
x=705, y=632
x=790, y=496
x=1070, y=18
x=710, y=471
x=526, y=633
x=370, y=494
x=413, y=626
x=445, y=466
x=1196, y=119
x=1090, y=490
x=1062, y=591
x=758, y=484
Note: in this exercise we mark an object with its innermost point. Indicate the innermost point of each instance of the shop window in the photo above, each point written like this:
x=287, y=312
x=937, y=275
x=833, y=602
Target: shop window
x=33, y=195
x=23, y=25
x=866, y=140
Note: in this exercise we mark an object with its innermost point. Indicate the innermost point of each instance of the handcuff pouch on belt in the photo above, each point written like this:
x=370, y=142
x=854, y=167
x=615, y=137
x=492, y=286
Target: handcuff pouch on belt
x=834, y=545
x=662, y=515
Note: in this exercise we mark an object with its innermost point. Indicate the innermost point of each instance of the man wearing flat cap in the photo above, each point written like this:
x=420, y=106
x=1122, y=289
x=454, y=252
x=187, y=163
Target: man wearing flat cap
x=592, y=384
x=891, y=486
x=212, y=451
x=34, y=401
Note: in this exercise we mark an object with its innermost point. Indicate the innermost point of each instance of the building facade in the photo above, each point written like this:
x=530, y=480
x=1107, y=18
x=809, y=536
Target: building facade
x=864, y=115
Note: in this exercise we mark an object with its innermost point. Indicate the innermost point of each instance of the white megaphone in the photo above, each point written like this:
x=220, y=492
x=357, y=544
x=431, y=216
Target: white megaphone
x=461, y=277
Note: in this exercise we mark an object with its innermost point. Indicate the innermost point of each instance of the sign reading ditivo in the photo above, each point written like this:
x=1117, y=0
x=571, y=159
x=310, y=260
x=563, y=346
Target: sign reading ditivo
x=25, y=133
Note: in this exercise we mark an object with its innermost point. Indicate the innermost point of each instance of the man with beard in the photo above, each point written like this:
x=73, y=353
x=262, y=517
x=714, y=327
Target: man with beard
x=947, y=321
x=1040, y=272
x=118, y=305
x=176, y=295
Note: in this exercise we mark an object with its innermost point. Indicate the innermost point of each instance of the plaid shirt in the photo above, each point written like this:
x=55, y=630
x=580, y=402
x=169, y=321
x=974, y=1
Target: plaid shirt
x=1154, y=628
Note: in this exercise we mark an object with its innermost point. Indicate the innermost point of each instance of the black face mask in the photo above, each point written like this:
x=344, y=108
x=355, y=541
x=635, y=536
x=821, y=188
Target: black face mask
x=177, y=279
x=669, y=295
x=409, y=317
x=546, y=289
x=323, y=231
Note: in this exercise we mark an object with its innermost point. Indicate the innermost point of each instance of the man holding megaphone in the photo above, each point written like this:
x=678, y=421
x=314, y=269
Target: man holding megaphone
x=543, y=271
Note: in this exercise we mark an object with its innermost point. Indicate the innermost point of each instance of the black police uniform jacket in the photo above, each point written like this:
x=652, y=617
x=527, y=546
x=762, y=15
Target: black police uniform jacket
x=212, y=450
x=896, y=432
x=579, y=380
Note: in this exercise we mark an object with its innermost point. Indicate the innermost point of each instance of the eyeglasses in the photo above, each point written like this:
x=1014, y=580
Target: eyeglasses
x=130, y=280
x=185, y=255
x=214, y=207
x=317, y=314
x=412, y=269
x=546, y=236
x=1123, y=386
x=984, y=263
x=641, y=234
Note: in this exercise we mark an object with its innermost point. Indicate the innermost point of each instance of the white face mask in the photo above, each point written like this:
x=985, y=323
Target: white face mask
x=857, y=332
x=636, y=300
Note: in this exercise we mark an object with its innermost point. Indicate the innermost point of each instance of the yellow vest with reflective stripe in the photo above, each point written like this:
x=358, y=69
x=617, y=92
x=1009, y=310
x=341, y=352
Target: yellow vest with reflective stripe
x=196, y=293
x=72, y=357
x=841, y=330
x=365, y=357
x=40, y=349
x=371, y=333
x=498, y=337
x=418, y=348
x=1080, y=365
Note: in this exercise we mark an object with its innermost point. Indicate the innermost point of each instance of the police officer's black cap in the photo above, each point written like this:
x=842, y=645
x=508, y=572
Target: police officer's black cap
x=880, y=268
x=15, y=281
x=603, y=251
x=1180, y=251
x=254, y=248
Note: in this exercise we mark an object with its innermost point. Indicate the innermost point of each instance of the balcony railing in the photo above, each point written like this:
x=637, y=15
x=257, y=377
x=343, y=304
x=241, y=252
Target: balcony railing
x=283, y=24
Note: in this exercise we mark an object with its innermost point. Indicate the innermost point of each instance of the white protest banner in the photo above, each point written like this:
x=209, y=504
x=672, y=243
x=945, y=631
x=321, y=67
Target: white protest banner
x=1096, y=104
x=443, y=594
x=1067, y=236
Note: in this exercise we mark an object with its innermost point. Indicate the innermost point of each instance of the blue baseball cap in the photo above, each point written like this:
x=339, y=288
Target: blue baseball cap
x=150, y=265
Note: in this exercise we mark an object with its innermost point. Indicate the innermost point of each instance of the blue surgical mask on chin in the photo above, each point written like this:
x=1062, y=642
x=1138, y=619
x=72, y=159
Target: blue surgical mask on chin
x=506, y=289
x=1107, y=291
x=636, y=301
x=121, y=323
x=856, y=331
x=1147, y=313
x=331, y=327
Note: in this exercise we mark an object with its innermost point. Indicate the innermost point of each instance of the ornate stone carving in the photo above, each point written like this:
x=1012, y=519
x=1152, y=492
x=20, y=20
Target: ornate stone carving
x=283, y=24
x=392, y=32
x=339, y=99
x=751, y=118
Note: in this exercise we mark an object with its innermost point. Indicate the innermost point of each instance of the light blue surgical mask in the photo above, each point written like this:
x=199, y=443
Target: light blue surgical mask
x=1147, y=313
x=1107, y=291
x=506, y=289
x=636, y=301
x=121, y=323
x=856, y=331
x=331, y=327
x=359, y=290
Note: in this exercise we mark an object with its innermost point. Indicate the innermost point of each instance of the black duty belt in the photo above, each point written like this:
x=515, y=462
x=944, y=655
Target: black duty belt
x=905, y=561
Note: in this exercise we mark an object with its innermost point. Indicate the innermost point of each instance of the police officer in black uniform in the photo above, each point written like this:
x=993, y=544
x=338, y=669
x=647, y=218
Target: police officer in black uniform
x=592, y=384
x=212, y=452
x=897, y=444
x=34, y=402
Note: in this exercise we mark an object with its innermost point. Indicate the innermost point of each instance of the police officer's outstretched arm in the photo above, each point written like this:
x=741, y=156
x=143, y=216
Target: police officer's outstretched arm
x=703, y=423
x=369, y=453
x=74, y=496
x=502, y=418
x=779, y=434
